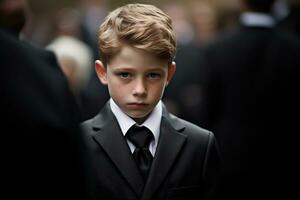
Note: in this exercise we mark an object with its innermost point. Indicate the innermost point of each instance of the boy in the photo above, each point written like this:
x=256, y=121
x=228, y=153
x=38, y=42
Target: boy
x=138, y=45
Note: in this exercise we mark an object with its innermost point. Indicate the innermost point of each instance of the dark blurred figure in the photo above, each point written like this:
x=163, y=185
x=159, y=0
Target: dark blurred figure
x=249, y=102
x=291, y=22
x=94, y=95
x=182, y=97
x=43, y=151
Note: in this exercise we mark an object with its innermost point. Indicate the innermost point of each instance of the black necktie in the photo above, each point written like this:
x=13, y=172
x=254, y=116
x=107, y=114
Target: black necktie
x=141, y=138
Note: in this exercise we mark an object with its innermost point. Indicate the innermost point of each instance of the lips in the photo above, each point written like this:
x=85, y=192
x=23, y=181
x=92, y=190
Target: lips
x=137, y=105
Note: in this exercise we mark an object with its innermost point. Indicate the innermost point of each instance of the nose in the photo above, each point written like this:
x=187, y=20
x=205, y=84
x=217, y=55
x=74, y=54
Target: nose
x=139, y=88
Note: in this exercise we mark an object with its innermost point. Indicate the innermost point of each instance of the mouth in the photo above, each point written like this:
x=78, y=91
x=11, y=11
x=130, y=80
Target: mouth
x=137, y=105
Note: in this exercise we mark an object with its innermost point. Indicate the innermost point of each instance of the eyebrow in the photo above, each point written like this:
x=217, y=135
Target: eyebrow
x=133, y=69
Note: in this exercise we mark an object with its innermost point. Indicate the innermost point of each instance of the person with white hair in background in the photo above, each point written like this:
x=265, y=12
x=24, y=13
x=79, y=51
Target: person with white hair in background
x=75, y=60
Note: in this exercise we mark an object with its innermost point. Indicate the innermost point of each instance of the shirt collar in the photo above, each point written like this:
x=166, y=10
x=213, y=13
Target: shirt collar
x=152, y=122
x=257, y=19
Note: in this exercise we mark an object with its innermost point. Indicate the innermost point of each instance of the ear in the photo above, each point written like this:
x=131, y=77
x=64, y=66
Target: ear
x=171, y=71
x=101, y=72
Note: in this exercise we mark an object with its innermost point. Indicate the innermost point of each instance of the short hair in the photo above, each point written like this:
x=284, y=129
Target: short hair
x=260, y=5
x=141, y=26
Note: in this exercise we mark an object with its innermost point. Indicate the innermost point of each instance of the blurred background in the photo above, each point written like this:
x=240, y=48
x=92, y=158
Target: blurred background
x=69, y=28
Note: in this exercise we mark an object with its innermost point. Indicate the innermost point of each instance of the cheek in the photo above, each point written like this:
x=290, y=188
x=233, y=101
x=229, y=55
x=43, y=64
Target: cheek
x=118, y=89
x=113, y=86
x=157, y=89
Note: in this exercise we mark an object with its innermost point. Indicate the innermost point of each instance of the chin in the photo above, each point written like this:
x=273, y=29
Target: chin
x=136, y=115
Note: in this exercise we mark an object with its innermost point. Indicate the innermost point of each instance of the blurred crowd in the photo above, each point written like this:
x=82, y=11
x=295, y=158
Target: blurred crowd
x=69, y=28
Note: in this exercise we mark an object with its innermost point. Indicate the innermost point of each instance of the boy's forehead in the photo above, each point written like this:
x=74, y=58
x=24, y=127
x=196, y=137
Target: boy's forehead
x=131, y=66
x=135, y=57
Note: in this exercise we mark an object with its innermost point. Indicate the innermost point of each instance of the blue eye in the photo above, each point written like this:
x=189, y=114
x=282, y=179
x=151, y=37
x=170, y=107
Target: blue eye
x=153, y=75
x=124, y=75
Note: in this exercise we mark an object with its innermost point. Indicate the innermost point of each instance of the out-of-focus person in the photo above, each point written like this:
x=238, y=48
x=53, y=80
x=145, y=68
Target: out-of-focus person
x=75, y=59
x=44, y=155
x=182, y=97
x=94, y=96
x=291, y=22
x=205, y=20
x=249, y=101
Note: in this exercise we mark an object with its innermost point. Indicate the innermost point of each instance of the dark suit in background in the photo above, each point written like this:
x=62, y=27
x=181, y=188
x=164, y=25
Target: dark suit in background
x=94, y=95
x=291, y=22
x=249, y=102
x=185, y=164
x=44, y=151
x=182, y=97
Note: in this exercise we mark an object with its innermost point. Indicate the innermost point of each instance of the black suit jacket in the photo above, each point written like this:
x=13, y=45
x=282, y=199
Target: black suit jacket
x=291, y=22
x=249, y=100
x=185, y=165
x=44, y=155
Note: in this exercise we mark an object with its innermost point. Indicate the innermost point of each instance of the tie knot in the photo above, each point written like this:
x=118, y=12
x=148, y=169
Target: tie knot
x=140, y=136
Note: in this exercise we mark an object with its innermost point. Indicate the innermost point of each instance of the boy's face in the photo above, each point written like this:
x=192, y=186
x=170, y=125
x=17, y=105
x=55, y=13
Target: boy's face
x=136, y=80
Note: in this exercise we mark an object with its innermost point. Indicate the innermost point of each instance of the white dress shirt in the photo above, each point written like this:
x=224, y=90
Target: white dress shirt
x=152, y=123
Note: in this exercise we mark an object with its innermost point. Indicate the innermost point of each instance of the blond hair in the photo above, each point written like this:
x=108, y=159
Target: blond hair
x=141, y=26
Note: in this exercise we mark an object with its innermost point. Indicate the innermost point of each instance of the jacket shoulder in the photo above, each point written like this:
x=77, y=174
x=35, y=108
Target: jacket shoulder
x=192, y=130
x=87, y=126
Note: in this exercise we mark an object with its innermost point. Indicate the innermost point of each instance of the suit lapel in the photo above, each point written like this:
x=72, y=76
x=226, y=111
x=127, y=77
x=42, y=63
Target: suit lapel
x=170, y=143
x=111, y=139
